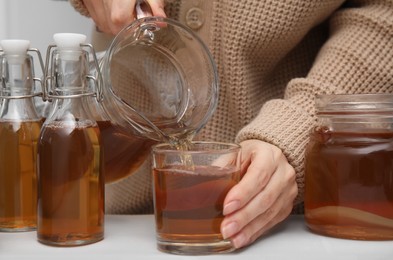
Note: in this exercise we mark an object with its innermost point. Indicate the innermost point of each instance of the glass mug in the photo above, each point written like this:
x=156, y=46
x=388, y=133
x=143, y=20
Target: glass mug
x=189, y=191
x=349, y=167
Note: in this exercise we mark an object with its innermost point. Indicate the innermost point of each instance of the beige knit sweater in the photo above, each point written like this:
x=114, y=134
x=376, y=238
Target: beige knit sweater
x=273, y=57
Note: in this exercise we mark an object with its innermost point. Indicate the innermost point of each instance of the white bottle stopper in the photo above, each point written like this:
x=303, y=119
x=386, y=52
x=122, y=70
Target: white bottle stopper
x=68, y=43
x=69, y=40
x=15, y=47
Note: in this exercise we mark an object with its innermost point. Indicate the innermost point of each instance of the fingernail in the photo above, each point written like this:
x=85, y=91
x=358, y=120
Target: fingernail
x=231, y=207
x=239, y=241
x=229, y=229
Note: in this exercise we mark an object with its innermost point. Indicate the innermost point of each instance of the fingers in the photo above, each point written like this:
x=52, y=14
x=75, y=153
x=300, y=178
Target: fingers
x=259, y=165
x=252, y=223
x=111, y=16
x=260, y=225
x=263, y=198
x=121, y=14
x=275, y=199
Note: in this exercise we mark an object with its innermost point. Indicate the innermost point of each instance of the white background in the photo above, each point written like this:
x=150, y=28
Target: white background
x=38, y=20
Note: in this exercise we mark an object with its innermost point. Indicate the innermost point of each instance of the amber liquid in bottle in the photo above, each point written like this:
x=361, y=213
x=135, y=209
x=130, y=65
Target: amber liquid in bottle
x=18, y=177
x=124, y=153
x=349, y=185
x=189, y=205
x=71, y=191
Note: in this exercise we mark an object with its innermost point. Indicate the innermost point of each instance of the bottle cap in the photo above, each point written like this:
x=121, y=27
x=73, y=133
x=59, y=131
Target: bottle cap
x=67, y=43
x=15, y=47
x=16, y=83
x=69, y=40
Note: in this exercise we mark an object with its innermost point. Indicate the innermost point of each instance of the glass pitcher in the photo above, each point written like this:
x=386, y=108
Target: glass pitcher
x=159, y=78
x=157, y=82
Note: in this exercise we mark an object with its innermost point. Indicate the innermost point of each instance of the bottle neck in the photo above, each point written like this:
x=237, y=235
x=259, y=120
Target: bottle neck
x=70, y=72
x=69, y=88
x=17, y=88
x=17, y=75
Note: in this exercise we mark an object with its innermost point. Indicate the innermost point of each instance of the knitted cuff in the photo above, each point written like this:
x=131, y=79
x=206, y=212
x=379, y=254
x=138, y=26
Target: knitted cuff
x=287, y=126
x=80, y=7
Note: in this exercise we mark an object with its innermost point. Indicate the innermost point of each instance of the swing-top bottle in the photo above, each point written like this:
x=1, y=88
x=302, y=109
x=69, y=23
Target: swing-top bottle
x=70, y=154
x=20, y=127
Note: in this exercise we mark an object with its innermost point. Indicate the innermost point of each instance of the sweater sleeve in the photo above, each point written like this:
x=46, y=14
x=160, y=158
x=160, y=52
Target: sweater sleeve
x=357, y=58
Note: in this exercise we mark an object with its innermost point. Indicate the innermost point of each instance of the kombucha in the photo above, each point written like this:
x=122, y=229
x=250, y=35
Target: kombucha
x=71, y=190
x=349, y=184
x=123, y=153
x=18, y=177
x=188, y=204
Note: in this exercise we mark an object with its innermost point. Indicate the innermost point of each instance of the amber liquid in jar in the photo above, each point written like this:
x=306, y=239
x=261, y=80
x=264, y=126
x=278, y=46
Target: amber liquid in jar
x=349, y=184
x=124, y=153
x=189, y=205
x=18, y=177
x=71, y=191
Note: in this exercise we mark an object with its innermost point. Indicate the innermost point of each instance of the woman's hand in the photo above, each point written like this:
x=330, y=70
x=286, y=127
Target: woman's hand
x=263, y=198
x=110, y=16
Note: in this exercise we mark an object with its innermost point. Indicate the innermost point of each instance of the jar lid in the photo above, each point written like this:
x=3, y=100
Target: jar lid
x=354, y=103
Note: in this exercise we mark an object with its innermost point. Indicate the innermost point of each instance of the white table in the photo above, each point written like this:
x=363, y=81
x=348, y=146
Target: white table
x=132, y=237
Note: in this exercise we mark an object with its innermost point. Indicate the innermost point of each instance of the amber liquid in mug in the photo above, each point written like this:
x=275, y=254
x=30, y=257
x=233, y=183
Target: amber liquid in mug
x=124, y=153
x=18, y=177
x=71, y=191
x=189, y=205
x=349, y=185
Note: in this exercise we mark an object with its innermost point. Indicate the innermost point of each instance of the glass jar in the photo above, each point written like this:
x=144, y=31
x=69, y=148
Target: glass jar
x=349, y=167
